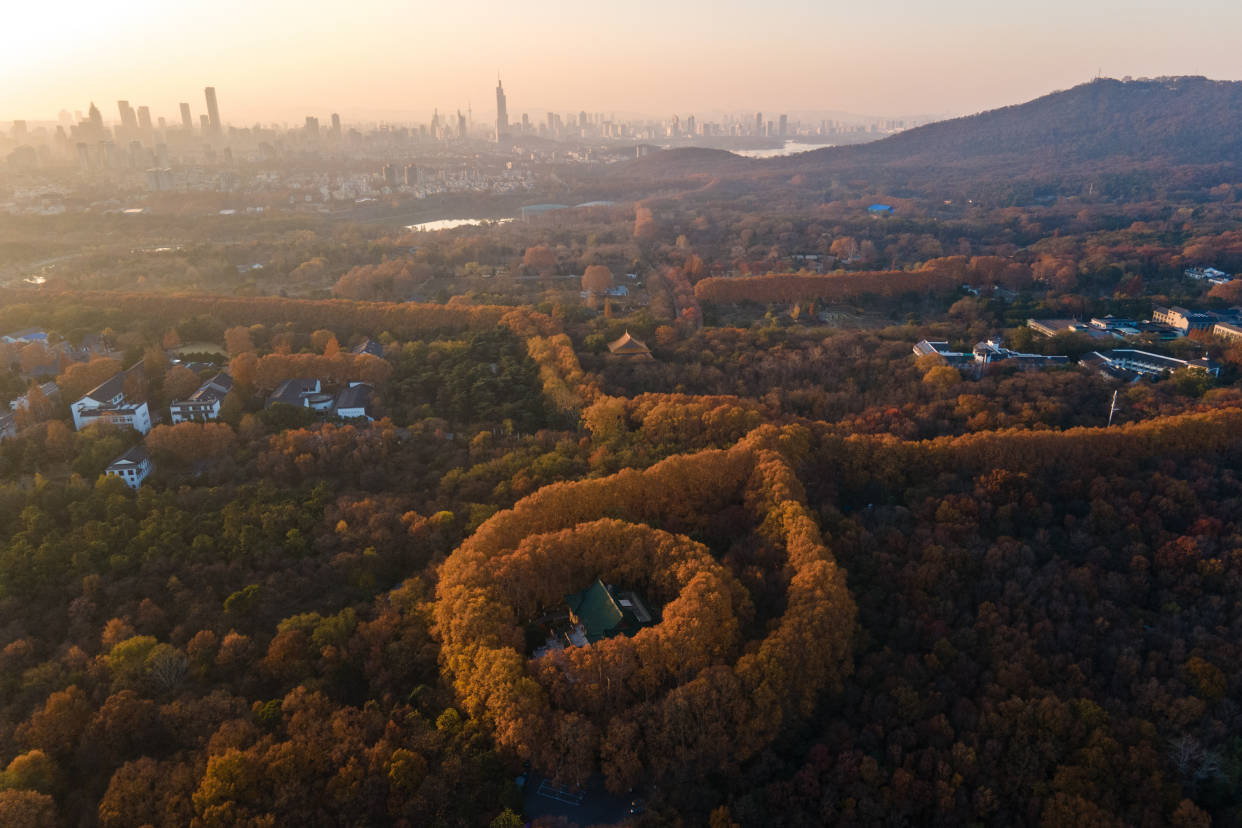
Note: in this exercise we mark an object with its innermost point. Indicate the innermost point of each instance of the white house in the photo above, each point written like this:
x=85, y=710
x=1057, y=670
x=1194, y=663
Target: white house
x=107, y=403
x=133, y=467
x=203, y=404
x=353, y=402
x=301, y=393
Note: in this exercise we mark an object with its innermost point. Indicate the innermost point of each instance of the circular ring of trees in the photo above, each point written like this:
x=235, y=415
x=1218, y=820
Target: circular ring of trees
x=708, y=686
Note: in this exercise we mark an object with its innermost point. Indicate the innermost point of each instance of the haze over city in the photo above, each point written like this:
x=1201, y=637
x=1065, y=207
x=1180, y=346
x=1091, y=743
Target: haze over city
x=380, y=62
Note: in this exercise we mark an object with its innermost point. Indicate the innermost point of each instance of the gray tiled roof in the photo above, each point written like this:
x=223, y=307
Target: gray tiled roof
x=359, y=396
x=136, y=456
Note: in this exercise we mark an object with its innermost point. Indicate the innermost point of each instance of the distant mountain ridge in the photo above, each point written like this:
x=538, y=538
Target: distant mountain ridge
x=1178, y=120
x=1174, y=137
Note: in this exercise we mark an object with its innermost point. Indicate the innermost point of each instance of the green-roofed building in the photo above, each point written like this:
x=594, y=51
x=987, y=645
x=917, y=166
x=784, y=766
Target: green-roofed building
x=603, y=613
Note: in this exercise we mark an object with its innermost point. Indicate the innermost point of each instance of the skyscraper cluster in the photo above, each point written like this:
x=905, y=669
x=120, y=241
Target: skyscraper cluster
x=137, y=123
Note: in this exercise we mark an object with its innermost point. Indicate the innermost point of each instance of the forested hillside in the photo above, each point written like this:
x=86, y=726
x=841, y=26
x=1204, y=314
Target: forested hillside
x=885, y=486
x=1180, y=120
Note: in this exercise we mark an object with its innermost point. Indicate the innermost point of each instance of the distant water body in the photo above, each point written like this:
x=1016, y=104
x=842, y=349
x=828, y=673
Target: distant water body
x=449, y=224
x=790, y=148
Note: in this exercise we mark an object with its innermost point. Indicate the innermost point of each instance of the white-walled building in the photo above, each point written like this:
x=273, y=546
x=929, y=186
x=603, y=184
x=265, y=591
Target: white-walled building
x=132, y=467
x=107, y=403
x=354, y=402
x=204, y=404
x=301, y=393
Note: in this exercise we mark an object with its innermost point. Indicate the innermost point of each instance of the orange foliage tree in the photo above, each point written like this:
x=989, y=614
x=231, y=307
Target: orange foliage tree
x=36, y=409
x=644, y=224
x=597, y=279
x=402, y=319
x=83, y=376
x=237, y=340
x=540, y=258
x=187, y=442
x=786, y=288
x=394, y=279
x=565, y=384
x=33, y=356
x=273, y=369
x=180, y=382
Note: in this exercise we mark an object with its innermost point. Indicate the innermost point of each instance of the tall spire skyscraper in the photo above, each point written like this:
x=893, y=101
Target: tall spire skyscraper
x=502, y=111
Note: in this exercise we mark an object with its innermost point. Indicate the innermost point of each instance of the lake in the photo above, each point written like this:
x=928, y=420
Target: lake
x=790, y=148
x=449, y=224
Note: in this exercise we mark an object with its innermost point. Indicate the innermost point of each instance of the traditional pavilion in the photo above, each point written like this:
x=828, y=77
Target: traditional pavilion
x=602, y=612
x=627, y=347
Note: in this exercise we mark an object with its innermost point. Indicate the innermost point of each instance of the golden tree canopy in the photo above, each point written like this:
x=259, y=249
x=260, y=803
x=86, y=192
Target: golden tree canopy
x=597, y=278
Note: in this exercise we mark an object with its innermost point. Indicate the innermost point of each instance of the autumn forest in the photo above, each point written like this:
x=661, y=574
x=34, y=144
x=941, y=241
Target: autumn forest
x=648, y=512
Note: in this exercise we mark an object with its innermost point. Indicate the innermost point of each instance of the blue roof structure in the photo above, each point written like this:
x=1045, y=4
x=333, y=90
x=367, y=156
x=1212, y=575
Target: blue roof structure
x=26, y=335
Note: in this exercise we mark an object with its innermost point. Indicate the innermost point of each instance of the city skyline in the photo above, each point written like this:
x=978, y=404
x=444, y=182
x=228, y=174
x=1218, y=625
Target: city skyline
x=209, y=118
x=656, y=60
x=210, y=123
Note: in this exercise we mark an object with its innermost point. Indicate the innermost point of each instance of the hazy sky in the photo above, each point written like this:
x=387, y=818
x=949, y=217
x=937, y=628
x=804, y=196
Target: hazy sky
x=283, y=59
